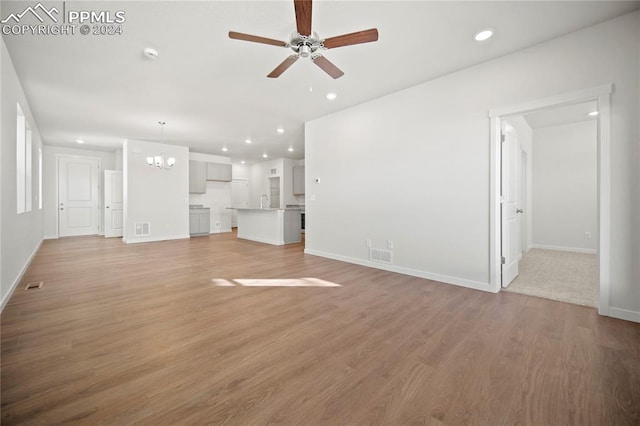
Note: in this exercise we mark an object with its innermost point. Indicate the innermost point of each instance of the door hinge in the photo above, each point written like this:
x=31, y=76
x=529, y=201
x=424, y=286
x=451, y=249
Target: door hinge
x=502, y=138
x=503, y=260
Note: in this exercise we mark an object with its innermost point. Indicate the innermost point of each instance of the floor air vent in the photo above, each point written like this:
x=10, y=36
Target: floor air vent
x=382, y=256
x=33, y=286
x=143, y=229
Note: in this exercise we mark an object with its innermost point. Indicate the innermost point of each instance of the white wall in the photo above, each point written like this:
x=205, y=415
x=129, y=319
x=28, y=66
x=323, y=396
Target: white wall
x=155, y=196
x=217, y=197
x=240, y=171
x=413, y=167
x=50, y=157
x=565, y=182
x=20, y=234
x=259, y=181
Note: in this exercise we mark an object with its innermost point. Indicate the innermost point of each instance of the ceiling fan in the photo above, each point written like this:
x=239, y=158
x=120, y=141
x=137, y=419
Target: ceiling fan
x=306, y=43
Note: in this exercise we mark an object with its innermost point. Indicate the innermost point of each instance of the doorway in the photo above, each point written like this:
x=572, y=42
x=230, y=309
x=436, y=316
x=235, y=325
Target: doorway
x=78, y=196
x=274, y=192
x=601, y=95
x=556, y=254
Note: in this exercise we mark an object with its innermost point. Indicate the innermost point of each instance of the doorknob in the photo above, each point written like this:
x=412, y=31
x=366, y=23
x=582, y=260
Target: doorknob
x=107, y=206
x=61, y=208
x=519, y=211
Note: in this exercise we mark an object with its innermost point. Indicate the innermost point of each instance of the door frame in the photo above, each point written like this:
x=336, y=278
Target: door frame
x=100, y=189
x=600, y=94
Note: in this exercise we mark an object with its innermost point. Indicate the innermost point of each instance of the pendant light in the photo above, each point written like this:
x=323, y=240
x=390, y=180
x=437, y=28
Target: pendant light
x=158, y=160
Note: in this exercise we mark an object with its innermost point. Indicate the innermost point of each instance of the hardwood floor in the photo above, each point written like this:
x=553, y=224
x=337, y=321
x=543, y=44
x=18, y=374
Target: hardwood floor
x=161, y=333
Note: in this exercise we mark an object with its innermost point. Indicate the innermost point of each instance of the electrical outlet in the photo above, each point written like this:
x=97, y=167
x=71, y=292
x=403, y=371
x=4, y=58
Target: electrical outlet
x=390, y=244
x=368, y=243
x=587, y=235
x=217, y=224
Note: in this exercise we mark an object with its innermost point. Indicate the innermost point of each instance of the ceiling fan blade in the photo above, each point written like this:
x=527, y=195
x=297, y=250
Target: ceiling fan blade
x=359, y=37
x=256, y=39
x=303, y=16
x=327, y=66
x=283, y=66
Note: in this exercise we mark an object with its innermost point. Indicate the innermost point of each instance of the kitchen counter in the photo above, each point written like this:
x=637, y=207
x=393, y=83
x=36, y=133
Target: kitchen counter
x=269, y=225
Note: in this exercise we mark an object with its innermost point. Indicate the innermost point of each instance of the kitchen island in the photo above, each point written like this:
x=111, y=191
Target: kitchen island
x=270, y=226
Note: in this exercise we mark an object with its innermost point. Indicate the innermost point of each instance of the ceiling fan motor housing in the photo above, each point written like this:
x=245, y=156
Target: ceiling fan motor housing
x=305, y=46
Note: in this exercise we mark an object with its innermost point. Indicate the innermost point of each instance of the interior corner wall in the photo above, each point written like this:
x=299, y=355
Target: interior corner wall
x=155, y=196
x=413, y=167
x=50, y=154
x=20, y=234
x=565, y=187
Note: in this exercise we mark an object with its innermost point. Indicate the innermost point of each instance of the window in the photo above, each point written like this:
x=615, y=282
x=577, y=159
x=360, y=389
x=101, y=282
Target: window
x=23, y=163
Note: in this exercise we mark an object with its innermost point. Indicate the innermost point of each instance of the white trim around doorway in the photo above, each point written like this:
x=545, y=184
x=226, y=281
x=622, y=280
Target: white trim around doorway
x=601, y=94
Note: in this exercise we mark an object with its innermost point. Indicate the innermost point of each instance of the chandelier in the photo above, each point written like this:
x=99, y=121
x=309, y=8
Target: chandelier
x=159, y=160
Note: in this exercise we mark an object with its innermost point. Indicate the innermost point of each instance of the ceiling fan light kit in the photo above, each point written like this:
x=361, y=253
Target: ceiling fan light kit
x=305, y=43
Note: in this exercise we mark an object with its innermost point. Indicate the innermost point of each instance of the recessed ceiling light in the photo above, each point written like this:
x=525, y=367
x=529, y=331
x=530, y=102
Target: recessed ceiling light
x=290, y=149
x=280, y=130
x=150, y=53
x=331, y=96
x=248, y=141
x=264, y=155
x=79, y=141
x=242, y=162
x=225, y=149
x=593, y=113
x=483, y=35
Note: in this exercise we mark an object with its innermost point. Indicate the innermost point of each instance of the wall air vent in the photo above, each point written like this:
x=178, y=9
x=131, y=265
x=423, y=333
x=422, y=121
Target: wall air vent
x=143, y=229
x=35, y=285
x=380, y=255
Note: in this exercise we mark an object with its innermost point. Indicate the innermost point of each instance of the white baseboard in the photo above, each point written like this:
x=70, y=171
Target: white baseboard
x=7, y=296
x=155, y=240
x=50, y=237
x=462, y=282
x=220, y=231
x=624, y=314
x=557, y=248
x=263, y=240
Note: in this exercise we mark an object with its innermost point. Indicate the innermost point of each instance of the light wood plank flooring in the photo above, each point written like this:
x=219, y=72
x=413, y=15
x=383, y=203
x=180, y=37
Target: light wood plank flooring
x=161, y=333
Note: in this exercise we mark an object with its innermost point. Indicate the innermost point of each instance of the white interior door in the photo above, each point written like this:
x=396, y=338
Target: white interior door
x=239, y=198
x=510, y=198
x=113, y=204
x=78, y=196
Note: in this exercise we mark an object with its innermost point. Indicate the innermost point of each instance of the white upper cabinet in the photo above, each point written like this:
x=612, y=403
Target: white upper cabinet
x=298, y=180
x=197, y=177
x=218, y=171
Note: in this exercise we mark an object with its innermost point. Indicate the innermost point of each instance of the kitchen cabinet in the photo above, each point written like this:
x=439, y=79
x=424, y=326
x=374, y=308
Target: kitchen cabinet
x=197, y=177
x=298, y=180
x=219, y=172
x=199, y=221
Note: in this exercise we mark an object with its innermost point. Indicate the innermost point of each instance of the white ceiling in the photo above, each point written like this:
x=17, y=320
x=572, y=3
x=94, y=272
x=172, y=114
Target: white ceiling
x=213, y=92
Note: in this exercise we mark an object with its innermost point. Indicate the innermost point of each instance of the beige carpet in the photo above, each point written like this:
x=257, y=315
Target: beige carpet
x=558, y=275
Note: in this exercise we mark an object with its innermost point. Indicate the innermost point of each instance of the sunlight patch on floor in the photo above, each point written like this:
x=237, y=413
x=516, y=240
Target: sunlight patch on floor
x=278, y=282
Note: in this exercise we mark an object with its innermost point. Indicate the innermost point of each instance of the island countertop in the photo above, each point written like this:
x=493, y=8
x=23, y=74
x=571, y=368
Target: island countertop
x=269, y=225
